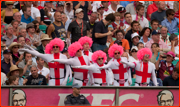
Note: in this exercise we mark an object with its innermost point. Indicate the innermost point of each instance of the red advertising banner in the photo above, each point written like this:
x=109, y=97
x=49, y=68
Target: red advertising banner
x=96, y=97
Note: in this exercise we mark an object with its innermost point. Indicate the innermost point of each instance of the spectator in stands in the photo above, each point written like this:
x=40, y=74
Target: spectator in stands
x=56, y=29
x=35, y=78
x=164, y=35
x=176, y=6
x=34, y=39
x=9, y=37
x=140, y=45
x=132, y=6
x=100, y=33
x=119, y=34
x=92, y=20
x=160, y=14
x=60, y=7
x=135, y=39
x=79, y=27
x=154, y=24
x=15, y=71
x=100, y=11
x=122, y=11
x=3, y=47
x=125, y=3
x=41, y=69
x=66, y=21
x=38, y=32
x=65, y=52
x=47, y=13
x=35, y=14
x=134, y=28
x=14, y=51
x=13, y=81
x=44, y=41
x=35, y=4
x=139, y=16
x=128, y=21
x=151, y=9
x=174, y=44
x=145, y=35
x=172, y=80
x=21, y=41
x=14, y=23
x=17, y=17
x=68, y=9
x=26, y=63
x=75, y=98
x=26, y=16
x=159, y=81
x=171, y=22
x=105, y=5
x=6, y=62
x=112, y=8
x=165, y=67
x=156, y=39
x=22, y=33
x=155, y=52
x=7, y=13
x=85, y=6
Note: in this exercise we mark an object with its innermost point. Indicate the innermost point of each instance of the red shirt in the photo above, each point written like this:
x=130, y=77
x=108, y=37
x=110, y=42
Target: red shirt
x=177, y=14
x=151, y=9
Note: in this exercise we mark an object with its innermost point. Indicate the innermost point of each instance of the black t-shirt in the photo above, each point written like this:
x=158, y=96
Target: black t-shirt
x=85, y=8
x=40, y=80
x=91, y=25
x=100, y=28
x=44, y=18
x=75, y=30
x=169, y=81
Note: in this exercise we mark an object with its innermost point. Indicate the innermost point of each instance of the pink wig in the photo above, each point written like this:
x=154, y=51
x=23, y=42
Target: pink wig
x=85, y=39
x=53, y=42
x=97, y=54
x=114, y=48
x=73, y=48
x=142, y=52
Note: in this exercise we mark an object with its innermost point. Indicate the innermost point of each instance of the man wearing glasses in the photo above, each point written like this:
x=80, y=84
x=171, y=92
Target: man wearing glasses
x=19, y=98
x=171, y=22
x=165, y=98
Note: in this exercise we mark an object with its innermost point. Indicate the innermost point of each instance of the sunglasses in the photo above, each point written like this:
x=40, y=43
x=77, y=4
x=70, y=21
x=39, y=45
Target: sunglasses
x=133, y=51
x=100, y=58
x=116, y=53
x=172, y=14
x=55, y=46
x=16, y=47
x=79, y=50
x=146, y=55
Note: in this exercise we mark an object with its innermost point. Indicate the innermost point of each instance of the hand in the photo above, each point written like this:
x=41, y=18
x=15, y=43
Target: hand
x=47, y=76
x=70, y=79
x=11, y=59
x=172, y=43
x=124, y=27
x=139, y=18
x=117, y=27
x=64, y=83
x=160, y=58
x=68, y=41
x=109, y=33
x=21, y=57
x=25, y=81
x=29, y=62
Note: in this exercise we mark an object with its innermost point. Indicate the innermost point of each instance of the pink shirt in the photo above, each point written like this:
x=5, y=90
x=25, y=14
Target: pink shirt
x=161, y=44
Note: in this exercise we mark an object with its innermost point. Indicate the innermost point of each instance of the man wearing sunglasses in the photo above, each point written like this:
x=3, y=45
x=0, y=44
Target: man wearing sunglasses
x=80, y=75
x=52, y=51
x=122, y=75
x=171, y=22
x=144, y=68
x=101, y=77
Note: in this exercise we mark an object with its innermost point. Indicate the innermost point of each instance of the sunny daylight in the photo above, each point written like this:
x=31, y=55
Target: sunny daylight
x=90, y=53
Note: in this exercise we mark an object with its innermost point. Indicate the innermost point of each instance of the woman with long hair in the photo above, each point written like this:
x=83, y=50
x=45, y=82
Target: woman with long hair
x=145, y=35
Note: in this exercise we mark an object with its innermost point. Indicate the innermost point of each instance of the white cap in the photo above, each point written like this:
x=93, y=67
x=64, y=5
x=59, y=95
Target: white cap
x=100, y=6
x=134, y=35
x=142, y=2
x=79, y=10
x=134, y=47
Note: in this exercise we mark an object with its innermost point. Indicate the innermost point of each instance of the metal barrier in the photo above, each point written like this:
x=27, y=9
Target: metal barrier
x=112, y=96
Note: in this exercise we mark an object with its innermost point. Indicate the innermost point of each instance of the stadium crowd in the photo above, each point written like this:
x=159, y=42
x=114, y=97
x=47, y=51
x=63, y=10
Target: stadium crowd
x=98, y=43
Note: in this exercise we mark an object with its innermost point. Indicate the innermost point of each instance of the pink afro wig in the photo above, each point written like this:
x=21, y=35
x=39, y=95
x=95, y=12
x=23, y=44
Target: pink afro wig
x=142, y=52
x=53, y=42
x=85, y=39
x=114, y=48
x=97, y=54
x=73, y=48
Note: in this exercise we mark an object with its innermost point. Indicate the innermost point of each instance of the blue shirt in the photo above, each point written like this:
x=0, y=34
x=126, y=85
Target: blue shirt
x=29, y=20
x=173, y=26
x=159, y=81
x=141, y=40
x=125, y=3
x=2, y=57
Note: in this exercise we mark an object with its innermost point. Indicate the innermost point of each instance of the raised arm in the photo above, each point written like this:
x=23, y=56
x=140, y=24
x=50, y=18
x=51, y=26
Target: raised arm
x=129, y=76
x=90, y=68
x=130, y=64
x=107, y=65
x=64, y=61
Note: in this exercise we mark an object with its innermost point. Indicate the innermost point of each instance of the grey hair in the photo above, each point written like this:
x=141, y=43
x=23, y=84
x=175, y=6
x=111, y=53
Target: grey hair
x=21, y=28
x=172, y=36
x=63, y=14
x=164, y=92
x=17, y=91
x=7, y=26
x=95, y=13
x=33, y=66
